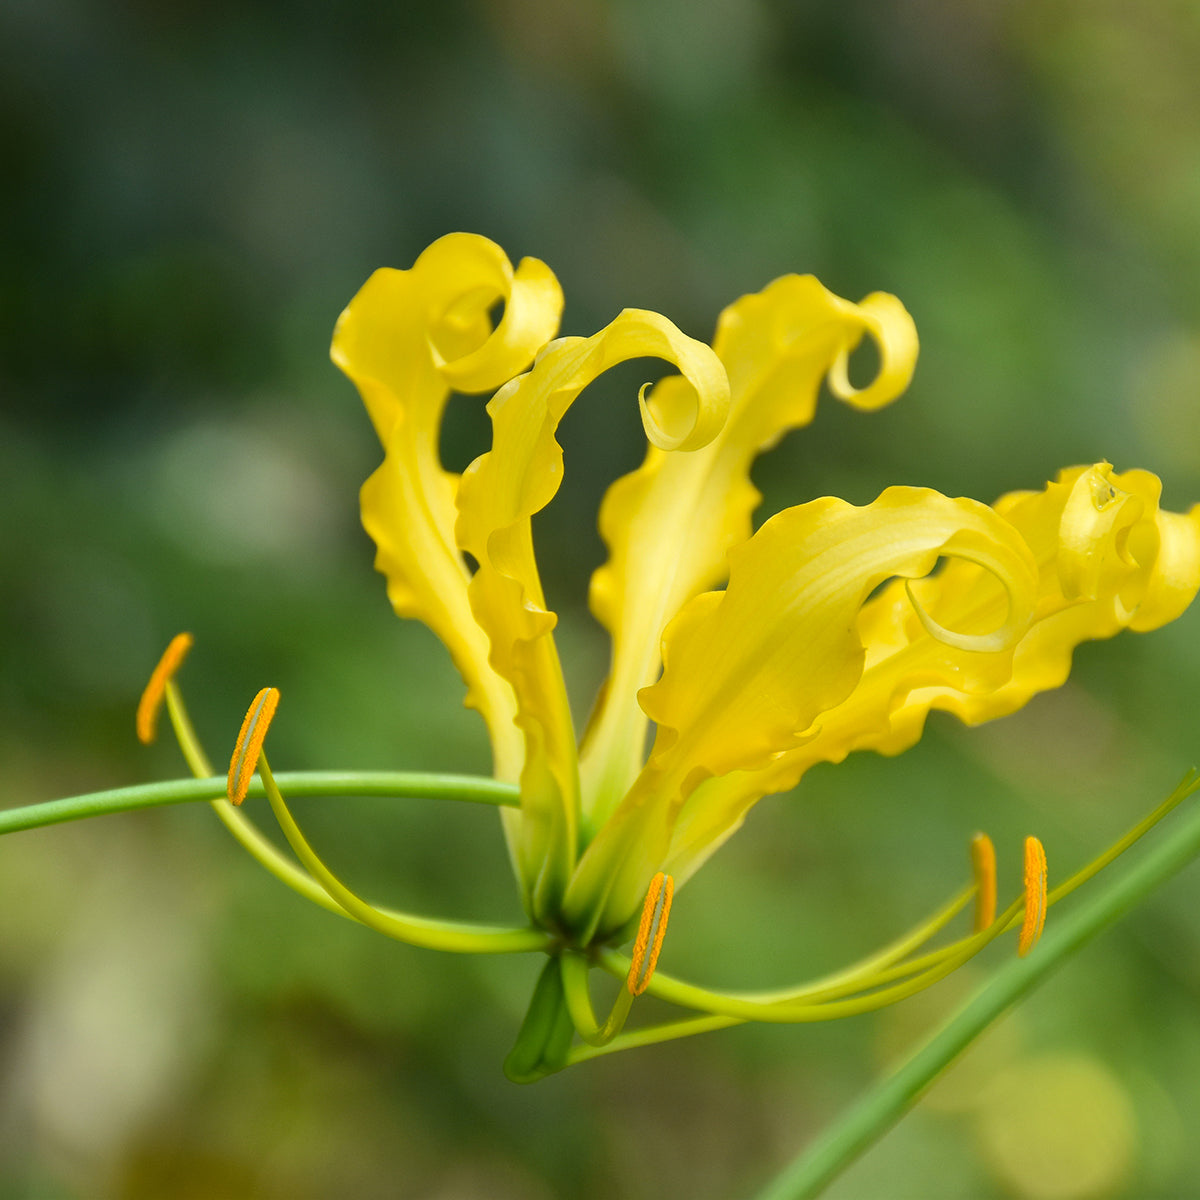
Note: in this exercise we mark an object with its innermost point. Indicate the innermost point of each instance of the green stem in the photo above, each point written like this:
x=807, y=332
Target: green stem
x=472, y=788
x=866, y=1121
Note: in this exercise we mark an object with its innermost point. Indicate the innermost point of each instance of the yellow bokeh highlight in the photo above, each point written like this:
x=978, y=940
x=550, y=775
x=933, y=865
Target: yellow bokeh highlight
x=1058, y=1127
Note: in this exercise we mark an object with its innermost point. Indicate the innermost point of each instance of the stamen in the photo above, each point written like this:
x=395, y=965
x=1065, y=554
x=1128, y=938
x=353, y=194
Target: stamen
x=250, y=742
x=983, y=865
x=152, y=697
x=884, y=978
x=651, y=932
x=1035, y=896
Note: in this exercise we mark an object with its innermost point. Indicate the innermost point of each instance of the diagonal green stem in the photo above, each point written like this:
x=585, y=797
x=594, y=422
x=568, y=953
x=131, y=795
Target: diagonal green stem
x=471, y=788
x=866, y=1121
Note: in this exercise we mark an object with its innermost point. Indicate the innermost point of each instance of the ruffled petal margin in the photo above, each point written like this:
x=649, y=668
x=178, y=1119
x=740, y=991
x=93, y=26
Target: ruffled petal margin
x=406, y=339
x=748, y=672
x=1108, y=559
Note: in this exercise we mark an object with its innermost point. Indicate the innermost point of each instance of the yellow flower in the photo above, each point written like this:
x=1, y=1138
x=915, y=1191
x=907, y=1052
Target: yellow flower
x=750, y=655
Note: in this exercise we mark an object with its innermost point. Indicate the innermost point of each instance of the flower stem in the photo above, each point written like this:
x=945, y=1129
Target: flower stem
x=866, y=1121
x=471, y=788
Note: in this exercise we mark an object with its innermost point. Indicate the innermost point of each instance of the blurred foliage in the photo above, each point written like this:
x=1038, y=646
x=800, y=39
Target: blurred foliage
x=191, y=194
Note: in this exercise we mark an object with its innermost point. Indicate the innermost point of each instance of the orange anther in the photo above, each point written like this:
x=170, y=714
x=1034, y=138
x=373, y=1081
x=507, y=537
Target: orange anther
x=152, y=697
x=250, y=742
x=983, y=866
x=1035, y=896
x=650, y=933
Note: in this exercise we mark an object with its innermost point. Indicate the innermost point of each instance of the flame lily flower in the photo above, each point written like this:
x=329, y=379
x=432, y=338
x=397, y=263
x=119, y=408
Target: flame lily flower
x=742, y=657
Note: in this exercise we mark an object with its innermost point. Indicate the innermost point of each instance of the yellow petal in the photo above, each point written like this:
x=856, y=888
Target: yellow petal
x=1148, y=572
x=1108, y=558
x=1171, y=586
x=749, y=670
x=405, y=340
x=888, y=323
x=669, y=524
x=745, y=676
x=499, y=494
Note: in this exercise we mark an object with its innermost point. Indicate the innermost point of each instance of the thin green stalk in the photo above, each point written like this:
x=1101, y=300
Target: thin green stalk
x=455, y=936
x=652, y=1035
x=185, y=732
x=726, y=1013
x=245, y=832
x=402, y=784
x=867, y=1120
x=842, y=982
x=575, y=968
x=1186, y=787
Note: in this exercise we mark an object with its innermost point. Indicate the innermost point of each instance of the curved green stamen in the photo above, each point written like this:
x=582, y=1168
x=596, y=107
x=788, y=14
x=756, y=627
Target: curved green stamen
x=248, y=835
x=849, y=979
x=885, y=967
x=575, y=969
x=456, y=936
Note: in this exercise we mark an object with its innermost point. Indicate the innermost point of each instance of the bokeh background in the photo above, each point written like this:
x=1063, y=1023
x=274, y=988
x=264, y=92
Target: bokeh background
x=191, y=193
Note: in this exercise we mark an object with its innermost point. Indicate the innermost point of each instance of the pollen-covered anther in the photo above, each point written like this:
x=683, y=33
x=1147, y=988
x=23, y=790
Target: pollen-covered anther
x=983, y=867
x=650, y=933
x=1035, y=896
x=250, y=743
x=152, y=697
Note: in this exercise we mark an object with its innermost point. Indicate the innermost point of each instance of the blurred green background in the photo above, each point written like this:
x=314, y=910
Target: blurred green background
x=191, y=193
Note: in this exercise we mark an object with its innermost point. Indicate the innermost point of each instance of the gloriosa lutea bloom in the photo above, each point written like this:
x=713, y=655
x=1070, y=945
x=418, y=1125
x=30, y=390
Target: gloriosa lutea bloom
x=790, y=664
x=751, y=654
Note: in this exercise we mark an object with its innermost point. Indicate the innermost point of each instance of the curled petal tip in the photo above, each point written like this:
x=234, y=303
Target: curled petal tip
x=883, y=317
x=250, y=743
x=152, y=697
